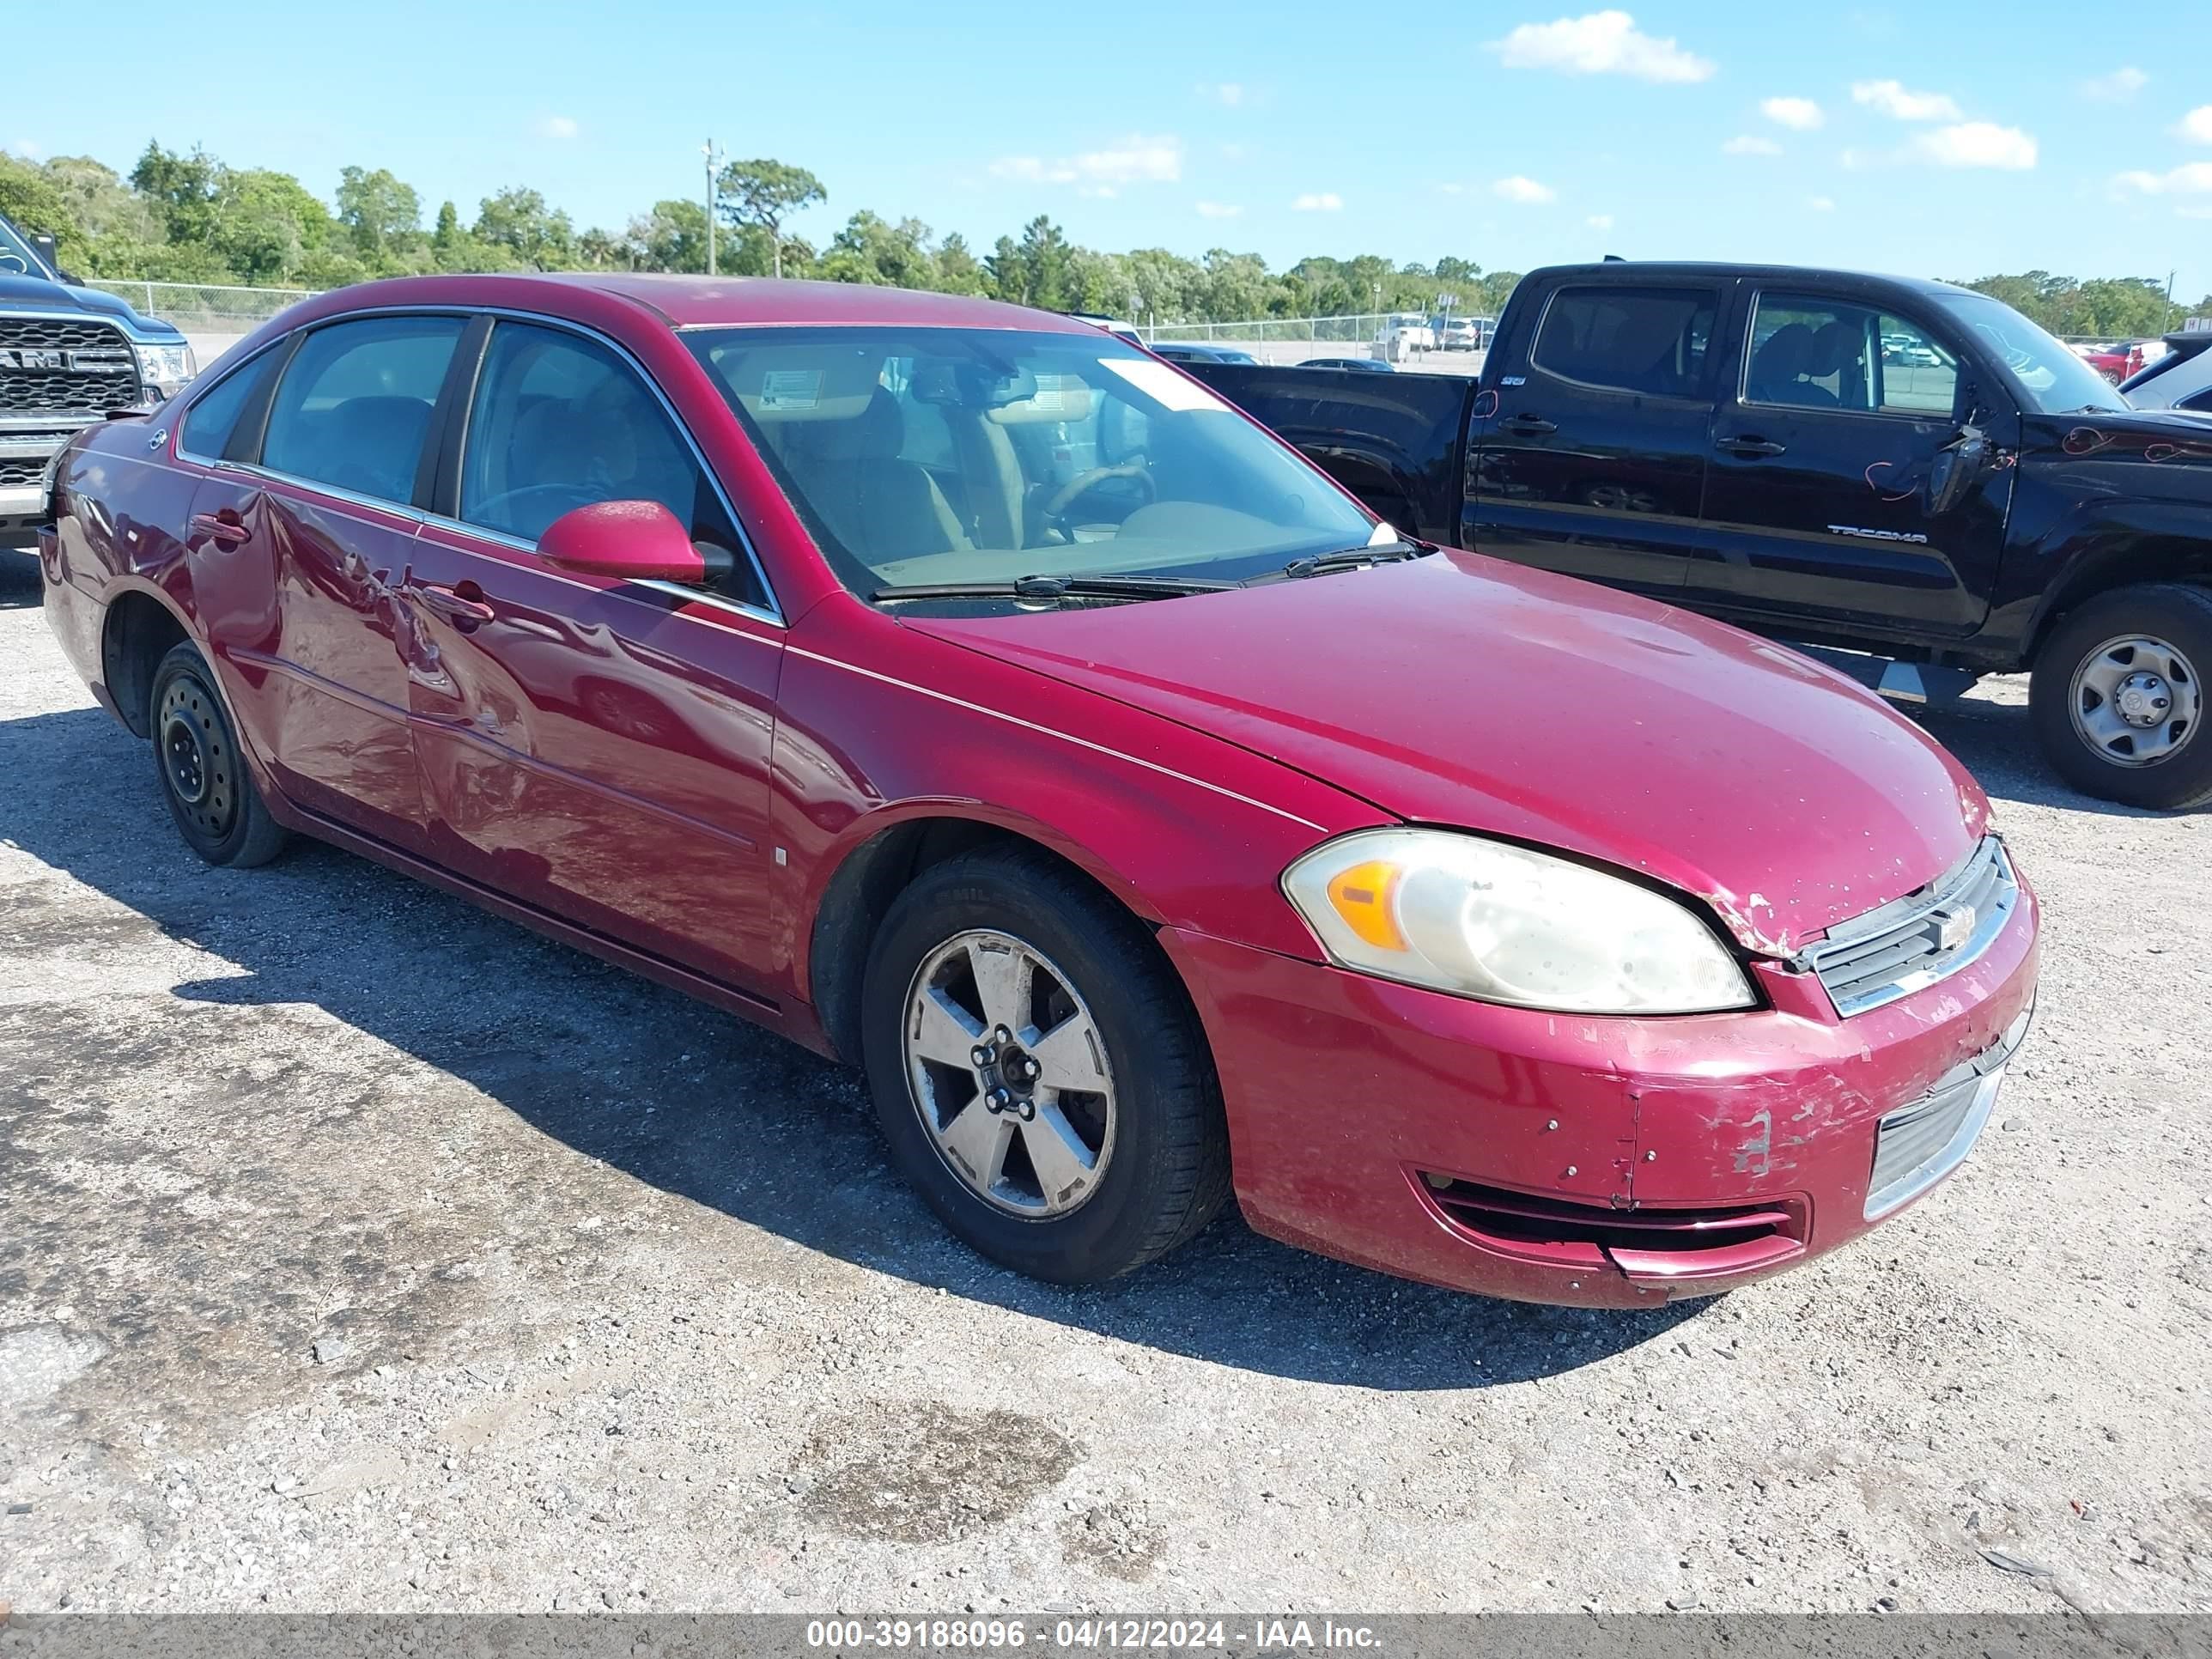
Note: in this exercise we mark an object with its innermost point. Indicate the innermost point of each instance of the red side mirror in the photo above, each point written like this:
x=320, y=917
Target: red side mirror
x=631, y=541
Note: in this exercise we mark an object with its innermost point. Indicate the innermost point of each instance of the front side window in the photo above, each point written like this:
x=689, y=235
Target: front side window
x=353, y=407
x=2046, y=374
x=1811, y=352
x=922, y=455
x=560, y=421
x=1651, y=340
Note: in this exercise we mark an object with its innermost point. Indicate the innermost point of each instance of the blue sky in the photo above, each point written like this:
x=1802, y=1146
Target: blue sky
x=1954, y=141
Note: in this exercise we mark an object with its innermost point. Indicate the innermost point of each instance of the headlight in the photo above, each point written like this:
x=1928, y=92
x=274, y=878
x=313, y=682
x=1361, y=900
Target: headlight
x=167, y=369
x=1482, y=919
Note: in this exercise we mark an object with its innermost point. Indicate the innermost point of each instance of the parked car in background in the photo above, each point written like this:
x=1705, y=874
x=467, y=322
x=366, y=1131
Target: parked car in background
x=960, y=690
x=69, y=356
x=1911, y=473
x=1114, y=325
x=1457, y=333
x=1404, y=334
x=1191, y=351
x=2181, y=379
x=1367, y=364
x=2116, y=362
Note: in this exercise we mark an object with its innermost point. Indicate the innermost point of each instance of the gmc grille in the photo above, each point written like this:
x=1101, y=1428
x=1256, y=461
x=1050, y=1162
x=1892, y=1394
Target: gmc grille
x=1911, y=943
x=41, y=373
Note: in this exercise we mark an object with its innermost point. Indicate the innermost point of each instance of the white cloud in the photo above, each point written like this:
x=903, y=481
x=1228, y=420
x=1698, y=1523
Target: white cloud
x=1527, y=190
x=1318, y=201
x=1600, y=222
x=1894, y=102
x=1217, y=211
x=1750, y=143
x=2192, y=179
x=1227, y=94
x=2197, y=125
x=1132, y=160
x=1601, y=43
x=1977, y=145
x=26, y=148
x=559, y=126
x=1821, y=204
x=1799, y=114
x=2193, y=212
x=2116, y=88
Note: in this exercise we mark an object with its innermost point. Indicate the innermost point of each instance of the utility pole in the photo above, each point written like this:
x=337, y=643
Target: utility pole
x=2166, y=317
x=713, y=155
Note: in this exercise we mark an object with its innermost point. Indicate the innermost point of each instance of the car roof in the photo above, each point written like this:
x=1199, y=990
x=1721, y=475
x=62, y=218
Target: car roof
x=686, y=301
x=1611, y=269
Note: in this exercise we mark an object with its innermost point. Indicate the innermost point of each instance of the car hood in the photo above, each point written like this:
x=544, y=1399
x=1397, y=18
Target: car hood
x=20, y=294
x=1459, y=690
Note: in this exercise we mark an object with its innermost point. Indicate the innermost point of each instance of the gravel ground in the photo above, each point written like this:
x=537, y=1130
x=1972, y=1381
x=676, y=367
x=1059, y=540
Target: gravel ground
x=361, y=1251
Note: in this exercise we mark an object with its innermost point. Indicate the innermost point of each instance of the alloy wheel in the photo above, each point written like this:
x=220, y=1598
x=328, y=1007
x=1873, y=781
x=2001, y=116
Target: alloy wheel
x=1007, y=1067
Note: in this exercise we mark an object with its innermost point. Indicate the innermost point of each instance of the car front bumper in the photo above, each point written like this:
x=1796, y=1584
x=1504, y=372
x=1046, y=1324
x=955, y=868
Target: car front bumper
x=22, y=510
x=1599, y=1161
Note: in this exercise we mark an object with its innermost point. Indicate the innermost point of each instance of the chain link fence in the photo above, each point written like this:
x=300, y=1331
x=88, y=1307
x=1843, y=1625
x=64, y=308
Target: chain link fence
x=1359, y=329
x=211, y=308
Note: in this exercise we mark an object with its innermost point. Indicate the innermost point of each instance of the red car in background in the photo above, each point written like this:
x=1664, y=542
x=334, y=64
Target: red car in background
x=961, y=691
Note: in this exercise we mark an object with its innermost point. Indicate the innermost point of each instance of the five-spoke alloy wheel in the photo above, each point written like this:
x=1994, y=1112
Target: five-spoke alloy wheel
x=1038, y=1071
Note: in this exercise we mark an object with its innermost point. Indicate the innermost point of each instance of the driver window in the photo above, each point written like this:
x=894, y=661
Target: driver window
x=1916, y=376
x=559, y=422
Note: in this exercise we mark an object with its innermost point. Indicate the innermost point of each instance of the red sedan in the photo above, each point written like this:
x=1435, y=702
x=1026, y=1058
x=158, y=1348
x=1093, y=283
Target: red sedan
x=964, y=692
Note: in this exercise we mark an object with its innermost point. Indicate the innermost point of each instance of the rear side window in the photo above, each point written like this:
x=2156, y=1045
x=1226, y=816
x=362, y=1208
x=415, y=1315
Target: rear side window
x=1648, y=340
x=353, y=407
x=211, y=423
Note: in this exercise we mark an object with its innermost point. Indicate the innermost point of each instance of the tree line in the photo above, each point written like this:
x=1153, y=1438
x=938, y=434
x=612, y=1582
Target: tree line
x=190, y=217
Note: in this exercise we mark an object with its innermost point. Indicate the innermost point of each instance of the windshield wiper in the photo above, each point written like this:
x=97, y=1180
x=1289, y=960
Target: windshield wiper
x=1344, y=558
x=1057, y=587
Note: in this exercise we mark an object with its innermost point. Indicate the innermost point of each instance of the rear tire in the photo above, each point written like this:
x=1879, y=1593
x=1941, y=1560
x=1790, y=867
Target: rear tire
x=1103, y=1069
x=212, y=797
x=2120, y=697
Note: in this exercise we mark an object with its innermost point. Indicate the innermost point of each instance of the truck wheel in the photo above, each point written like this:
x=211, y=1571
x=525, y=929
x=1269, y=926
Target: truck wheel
x=1039, y=1074
x=204, y=778
x=2119, y=697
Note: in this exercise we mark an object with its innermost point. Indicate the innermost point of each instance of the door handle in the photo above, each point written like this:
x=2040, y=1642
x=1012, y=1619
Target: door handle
x=1749, y=446
x=464, y=602
x=1527, y=425
x=229, y=531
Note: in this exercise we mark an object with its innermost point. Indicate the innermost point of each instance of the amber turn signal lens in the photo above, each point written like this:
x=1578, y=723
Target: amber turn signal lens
x=1362, y=897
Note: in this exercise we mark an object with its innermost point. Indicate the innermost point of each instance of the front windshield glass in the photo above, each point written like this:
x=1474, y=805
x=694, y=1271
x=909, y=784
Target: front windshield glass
x=924, y=456
x=2047, y=374
x=17, y=258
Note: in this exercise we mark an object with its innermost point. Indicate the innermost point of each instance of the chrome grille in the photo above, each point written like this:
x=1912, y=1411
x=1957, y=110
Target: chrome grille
x=41, y=373
x=1911, y=943
x=1917, y=1145
x=15, y=471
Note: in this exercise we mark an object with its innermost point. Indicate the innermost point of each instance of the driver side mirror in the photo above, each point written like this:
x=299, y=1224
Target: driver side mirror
x=1958, y=465
x=630, y=541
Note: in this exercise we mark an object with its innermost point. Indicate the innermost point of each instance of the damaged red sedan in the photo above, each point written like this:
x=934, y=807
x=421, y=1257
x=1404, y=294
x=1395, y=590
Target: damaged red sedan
x=963, y=692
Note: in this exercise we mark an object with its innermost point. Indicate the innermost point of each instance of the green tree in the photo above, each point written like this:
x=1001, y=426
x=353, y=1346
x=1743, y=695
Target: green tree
x=672, y=237
x=870, y=251
x=379, y=212
x=958, y=271
x=519, y=220
x=182, y=190
x=34, y=201
x=761, y=195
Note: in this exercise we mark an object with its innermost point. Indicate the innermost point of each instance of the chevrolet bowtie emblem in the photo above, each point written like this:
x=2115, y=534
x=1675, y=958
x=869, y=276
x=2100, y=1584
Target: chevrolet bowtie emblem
x=1954, y=926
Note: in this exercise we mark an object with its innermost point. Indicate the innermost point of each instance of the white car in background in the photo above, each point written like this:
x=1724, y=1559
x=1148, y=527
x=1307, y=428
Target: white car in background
x=1404, y=333
x=1459, y=333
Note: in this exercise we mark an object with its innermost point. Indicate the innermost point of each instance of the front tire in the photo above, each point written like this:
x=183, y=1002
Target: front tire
x=205, y=777
x=1039, y=1074
x=2120, y=700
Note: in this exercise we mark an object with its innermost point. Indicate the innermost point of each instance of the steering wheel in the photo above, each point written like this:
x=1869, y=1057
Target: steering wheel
x=1055, y=510
x=528, y=505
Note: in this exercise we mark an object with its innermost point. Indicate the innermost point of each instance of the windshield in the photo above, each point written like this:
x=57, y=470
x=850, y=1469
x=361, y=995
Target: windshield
x=17, y=257
x=926, y=456
x=2047, y=375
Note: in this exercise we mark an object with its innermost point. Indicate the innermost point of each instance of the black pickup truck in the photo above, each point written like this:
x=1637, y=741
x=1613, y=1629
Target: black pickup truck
x=1872, y=464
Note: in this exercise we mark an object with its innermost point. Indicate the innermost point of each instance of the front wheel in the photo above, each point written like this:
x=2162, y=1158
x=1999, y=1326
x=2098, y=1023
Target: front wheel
x=2119, y=700
x=1039, y=1074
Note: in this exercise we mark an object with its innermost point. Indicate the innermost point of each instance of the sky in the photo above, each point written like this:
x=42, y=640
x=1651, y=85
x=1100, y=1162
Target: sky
x=1956, y=141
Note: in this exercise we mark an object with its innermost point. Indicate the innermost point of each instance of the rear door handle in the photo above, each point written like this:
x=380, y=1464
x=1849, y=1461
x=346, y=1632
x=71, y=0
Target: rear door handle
x=1749, y=447
x=229, y=531
x=462, y=603
x=1527, y=425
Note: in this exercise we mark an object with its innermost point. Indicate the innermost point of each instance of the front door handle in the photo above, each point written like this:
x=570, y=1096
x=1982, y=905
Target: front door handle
x=1527, y=425
x=1749, y=447
x=464, y=602
x=228, y=531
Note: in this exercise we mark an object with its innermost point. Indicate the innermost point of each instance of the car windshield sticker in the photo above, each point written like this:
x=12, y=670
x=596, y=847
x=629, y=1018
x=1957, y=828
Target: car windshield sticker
x=1062, y=395
x=1172, y=391
x=791, y=388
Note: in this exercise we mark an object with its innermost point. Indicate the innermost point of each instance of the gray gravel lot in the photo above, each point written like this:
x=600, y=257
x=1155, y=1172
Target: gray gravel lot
x=361, y=1251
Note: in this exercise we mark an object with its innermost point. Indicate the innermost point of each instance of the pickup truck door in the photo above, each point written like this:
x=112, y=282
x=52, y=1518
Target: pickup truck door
x=1817, y=505
x=1591, y=435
